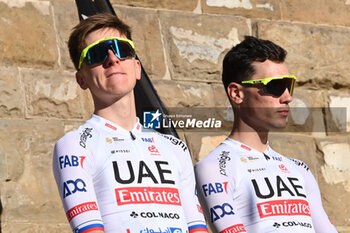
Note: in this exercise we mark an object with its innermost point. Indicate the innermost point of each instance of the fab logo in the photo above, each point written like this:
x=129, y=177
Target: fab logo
x=71, y=161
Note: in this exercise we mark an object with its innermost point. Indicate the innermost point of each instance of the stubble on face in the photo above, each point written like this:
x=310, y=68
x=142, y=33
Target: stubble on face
x=262, y=111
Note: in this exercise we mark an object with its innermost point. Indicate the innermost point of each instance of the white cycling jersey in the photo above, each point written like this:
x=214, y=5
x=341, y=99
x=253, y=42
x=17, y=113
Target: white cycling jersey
x=244, y=190
x=123, y=181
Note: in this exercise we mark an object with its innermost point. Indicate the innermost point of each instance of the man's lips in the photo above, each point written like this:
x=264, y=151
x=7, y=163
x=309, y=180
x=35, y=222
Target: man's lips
x=115, y=74
x=283, y=112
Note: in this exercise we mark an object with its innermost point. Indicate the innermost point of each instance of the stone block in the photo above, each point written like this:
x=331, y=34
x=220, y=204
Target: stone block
x=27, y=36
x=247, y=8
x=323, y=11
x=52, y=94
x=311, y=151
x=338, y=111
x=195, y=45
x=201, y=144
x=146, y=35
x=66, y=17
x=307, y=112
x=220, y=96
x=317, y=55
x=28, y=189
x=183, y=5
x=184, y=94
x=334, y=177
x=15, y=227
x=11, y=94
x=296, y=146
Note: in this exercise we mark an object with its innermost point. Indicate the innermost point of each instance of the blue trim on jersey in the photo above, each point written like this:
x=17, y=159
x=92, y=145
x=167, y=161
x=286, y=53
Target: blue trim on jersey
x=98, y=226
x=197, y=226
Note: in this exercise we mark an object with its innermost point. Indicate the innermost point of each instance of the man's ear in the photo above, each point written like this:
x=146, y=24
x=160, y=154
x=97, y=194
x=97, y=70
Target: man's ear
x=138, y=69
x=80, y=80
x=235, y=92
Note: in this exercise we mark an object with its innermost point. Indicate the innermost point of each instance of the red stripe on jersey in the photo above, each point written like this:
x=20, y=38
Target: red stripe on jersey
x=234, y=229
x=198, y=229
x=93, y=229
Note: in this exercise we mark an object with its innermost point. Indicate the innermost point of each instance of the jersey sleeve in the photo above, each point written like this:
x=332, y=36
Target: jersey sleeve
x=72, y=168
x=319, y=217
x=216, y=193
x=192, y=208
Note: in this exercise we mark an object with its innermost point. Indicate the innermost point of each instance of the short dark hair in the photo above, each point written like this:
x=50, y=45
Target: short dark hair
x=76, y=42
x=237, y=64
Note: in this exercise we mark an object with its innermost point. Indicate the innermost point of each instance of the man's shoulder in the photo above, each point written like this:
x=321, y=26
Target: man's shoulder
x=172, y=141
x=298, y=163
x=80, y=136
x=222, y=154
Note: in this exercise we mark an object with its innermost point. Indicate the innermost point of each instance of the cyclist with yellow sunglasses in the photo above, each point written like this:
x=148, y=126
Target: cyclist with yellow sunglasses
x=246, y=186
x=112, y=175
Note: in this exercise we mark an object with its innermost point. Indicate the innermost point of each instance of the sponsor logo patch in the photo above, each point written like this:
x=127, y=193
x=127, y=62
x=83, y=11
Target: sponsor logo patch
x=79, y=209
x=71, y=161
x=72, y=186
x=213, y=188
x=148, y=195
x=283, y=208
x=219, y=211
x=155, y=215
x=292, y=224
x=234, y=229
x=222, y=162
x=84, y=137
x=162, y=230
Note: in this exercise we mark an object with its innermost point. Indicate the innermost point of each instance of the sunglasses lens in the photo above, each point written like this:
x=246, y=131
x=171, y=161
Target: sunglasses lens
x=278, y=86
x=125, y=50
x=99, y=53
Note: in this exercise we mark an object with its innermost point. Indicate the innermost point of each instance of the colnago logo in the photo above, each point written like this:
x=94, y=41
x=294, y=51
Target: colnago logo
x=155, y=215
x=79, y=209
x=148, y=195
x=234, y=229
x=283, y=208
x=292, y=224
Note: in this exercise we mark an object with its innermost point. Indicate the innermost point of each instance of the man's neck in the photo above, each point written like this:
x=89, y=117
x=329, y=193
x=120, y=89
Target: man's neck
x=121, y=112
x=249, y=136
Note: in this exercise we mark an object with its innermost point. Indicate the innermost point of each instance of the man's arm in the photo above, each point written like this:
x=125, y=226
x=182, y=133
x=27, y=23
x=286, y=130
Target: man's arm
x=71, y=167
x=215, y=193
x=319, y=217
x=193, y=211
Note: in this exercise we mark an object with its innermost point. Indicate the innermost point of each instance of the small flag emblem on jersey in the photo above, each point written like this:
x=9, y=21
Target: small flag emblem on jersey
x=151, y=119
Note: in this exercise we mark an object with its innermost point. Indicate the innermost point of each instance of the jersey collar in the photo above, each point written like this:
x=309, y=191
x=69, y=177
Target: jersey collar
x=246, y=147
x=113, y=127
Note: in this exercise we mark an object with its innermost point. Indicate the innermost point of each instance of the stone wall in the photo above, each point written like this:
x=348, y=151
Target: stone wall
x=181, y=45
